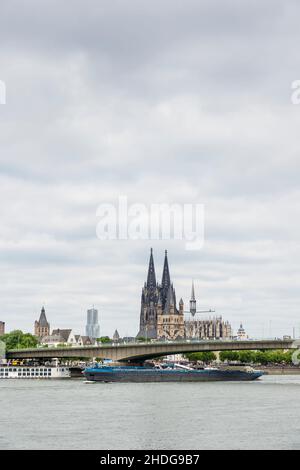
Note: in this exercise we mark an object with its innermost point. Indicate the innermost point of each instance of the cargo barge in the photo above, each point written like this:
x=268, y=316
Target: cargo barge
x=104, y=373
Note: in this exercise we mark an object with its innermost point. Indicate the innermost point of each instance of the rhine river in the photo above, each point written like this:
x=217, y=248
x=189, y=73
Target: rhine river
x=69, y=414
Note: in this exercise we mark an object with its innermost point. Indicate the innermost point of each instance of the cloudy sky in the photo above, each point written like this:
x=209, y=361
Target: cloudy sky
x=165, y=101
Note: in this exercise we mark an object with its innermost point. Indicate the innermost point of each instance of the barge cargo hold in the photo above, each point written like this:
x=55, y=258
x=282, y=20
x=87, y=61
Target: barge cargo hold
x=150, y=374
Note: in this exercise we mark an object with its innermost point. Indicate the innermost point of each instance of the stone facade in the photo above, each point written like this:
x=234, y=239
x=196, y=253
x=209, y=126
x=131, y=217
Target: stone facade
x=66, y=337
x=41, y=326
x=241, y=333
x=170, y=324
x=116, y=336
x=159, y=317
x=149, y=301
x=211, y=328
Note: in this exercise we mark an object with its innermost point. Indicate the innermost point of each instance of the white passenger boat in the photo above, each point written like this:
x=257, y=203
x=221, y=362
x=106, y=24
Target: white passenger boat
x=34, y=372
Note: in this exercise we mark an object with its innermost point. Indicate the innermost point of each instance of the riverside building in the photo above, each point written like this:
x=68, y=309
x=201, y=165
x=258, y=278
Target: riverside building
x=41, y=326
x=92, y=328
x=161, y=319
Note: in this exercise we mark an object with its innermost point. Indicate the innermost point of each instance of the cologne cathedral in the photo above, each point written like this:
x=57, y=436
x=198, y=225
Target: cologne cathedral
x=161, y=319
x=159, y=316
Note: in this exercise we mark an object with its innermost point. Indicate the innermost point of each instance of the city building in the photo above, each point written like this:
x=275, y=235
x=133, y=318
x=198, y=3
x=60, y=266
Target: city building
x=241, y=333
x=129, y=339
x=66, y=337
x=205, y=328
x=159, y=316
x=209, y=328
x=52, y=341
x=170, y=321
x=149, y=301
x=92, y=328
x=116, y=336
x=58, y=337
x=2, y=328
x=41, y=326
x=84, y=341
x=161, y=319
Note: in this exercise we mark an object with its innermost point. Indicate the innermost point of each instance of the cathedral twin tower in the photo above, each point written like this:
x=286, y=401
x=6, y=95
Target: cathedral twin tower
x=160, y=317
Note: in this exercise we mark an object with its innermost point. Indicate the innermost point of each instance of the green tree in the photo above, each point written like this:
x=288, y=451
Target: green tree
x=261, y=358
x=246, y=356
x=18, y=340
x=205, y=356
x=288, y=356
x=104, y=339
x=258, y=357
x=229, y=356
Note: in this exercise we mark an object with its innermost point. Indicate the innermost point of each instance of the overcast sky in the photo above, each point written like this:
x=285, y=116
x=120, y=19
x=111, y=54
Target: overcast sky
x=163, y=101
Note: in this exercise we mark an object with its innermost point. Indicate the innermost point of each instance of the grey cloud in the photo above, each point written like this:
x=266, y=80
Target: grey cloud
x=180, y=101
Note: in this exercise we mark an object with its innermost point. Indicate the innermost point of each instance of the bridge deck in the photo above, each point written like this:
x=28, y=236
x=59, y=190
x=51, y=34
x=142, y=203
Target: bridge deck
x=143, y=351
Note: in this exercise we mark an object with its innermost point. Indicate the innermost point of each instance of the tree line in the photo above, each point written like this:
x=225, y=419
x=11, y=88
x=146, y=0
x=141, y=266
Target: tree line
x=253, y=357
x=18, y=340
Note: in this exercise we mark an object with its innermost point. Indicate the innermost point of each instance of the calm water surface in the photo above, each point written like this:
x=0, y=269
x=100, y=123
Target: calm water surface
x=69, y=414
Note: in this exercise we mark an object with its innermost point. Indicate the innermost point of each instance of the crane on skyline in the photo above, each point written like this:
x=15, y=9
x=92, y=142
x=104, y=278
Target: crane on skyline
x=193, y=305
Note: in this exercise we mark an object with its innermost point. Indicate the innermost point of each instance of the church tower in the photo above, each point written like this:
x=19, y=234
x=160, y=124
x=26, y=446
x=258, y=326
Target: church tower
x=165, y=282
x=149, y=301
x=193, y=305
x=170, y=321
x=42, y=327
x=159, y=316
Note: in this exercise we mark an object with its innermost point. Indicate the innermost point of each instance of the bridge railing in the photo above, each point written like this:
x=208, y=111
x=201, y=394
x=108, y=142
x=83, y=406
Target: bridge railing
x=141, y=344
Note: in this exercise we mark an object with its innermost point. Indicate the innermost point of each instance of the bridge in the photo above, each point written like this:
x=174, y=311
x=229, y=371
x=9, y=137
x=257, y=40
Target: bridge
x=142, y=351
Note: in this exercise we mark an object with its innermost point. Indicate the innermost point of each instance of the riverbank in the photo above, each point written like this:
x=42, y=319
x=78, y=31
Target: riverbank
x=280, y=370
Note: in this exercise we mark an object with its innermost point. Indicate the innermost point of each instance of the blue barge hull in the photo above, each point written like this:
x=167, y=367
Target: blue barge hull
x=144, y=374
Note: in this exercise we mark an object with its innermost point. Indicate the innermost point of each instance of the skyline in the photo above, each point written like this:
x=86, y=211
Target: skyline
x=265, y=329
x=180, y=102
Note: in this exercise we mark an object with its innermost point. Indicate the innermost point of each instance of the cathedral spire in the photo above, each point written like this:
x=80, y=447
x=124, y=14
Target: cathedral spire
x=149, y=301
x=166, y=282
x=169, y=301
x=193, y=291
x=41, y=326
x=193, y=307
x=151, y=279
x=43, y=318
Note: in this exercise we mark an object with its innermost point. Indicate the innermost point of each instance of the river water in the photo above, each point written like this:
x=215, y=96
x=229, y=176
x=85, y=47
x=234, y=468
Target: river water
x=69, y=414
